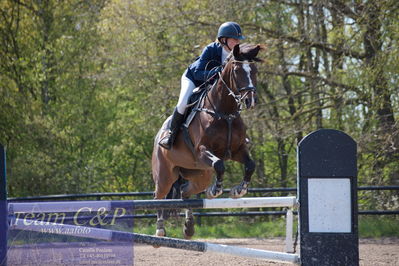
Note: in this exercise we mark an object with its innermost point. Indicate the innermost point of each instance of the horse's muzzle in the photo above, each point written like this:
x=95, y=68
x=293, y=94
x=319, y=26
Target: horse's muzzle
x=249, y=96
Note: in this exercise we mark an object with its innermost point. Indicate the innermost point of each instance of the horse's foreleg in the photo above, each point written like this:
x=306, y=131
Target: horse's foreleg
x=212, y=160
x=242, y=189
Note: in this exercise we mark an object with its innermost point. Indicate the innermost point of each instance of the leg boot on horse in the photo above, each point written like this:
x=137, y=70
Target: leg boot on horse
x=167, y=141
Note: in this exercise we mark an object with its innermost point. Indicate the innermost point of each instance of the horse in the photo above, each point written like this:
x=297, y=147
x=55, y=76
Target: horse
x=217, y=133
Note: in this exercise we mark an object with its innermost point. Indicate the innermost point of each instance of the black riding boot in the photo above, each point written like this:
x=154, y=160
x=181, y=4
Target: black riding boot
x=167, y=141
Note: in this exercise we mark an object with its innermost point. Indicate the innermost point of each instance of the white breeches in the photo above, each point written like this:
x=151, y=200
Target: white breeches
x=187, y=87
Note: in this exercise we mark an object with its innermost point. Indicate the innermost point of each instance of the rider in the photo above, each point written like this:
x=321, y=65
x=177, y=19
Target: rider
x=204, y=67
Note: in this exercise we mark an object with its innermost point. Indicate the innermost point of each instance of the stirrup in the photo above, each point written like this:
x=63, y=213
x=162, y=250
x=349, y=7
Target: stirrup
x=166, y=141
x=175, y=123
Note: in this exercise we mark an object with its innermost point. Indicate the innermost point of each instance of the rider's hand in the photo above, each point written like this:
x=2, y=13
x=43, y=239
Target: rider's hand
x=218, y=69
x=215, y=70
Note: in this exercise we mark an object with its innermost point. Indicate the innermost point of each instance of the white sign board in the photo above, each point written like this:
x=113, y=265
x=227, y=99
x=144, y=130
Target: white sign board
x=329, y=205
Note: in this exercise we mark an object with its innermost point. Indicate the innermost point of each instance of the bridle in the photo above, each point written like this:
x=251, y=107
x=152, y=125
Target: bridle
x=237, y=97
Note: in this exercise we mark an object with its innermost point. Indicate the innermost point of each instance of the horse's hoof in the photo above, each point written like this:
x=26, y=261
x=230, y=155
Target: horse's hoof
x=209, y=193
x=160, y=232
x=213, y=192
x=238, y=191
x=188, y=230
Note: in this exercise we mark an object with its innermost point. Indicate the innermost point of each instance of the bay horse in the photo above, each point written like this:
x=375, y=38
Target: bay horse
x=217, y=133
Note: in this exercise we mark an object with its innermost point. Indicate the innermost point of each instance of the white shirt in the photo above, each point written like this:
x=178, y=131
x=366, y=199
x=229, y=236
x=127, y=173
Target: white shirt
x=224, y=54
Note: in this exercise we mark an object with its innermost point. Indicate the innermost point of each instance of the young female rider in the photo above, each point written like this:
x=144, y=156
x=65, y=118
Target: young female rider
x=204, y=67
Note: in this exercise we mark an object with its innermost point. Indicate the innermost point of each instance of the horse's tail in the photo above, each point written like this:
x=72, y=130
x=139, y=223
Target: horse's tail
x=174, y=193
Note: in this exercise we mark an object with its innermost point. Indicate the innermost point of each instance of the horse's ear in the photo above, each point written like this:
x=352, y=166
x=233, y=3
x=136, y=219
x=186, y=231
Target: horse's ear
x=236, y=51
x=258, y=47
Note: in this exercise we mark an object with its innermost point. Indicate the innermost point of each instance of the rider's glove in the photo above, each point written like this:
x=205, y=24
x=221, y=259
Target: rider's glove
x=215, y=70
x=218, y=69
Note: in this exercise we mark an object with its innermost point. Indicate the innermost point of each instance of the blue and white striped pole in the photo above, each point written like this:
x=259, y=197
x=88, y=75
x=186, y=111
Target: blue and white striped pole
x=3, y=208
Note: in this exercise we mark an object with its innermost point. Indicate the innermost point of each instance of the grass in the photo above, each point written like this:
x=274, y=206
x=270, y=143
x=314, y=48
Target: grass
x=378, y=226
x=234, y=227
x=231, y=227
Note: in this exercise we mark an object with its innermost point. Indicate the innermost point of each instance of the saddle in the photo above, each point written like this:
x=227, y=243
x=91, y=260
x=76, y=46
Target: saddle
x=194, y=105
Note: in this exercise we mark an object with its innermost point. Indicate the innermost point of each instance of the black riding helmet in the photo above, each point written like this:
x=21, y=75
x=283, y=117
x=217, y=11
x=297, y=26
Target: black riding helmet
x=230, y=30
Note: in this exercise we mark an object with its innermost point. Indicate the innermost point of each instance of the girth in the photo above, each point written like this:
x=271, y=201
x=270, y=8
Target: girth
x=198, y=107
x=229, y=119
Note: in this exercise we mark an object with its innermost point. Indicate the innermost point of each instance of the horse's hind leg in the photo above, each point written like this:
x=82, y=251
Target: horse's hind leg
x=161, y=214
x=160, y=231
x=199, y=182
x=164, y=178
x=188, y=229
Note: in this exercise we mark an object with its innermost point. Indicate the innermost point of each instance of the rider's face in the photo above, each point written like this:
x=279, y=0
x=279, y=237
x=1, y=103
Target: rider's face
x=231, y=42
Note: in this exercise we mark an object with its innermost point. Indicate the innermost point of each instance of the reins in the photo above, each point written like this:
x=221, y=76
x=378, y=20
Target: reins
x=237, y=97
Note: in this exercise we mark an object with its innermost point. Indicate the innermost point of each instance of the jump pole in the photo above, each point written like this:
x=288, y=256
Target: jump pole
x=3, y=208
x=112, y=205
x=110, y=235
x=327, y=191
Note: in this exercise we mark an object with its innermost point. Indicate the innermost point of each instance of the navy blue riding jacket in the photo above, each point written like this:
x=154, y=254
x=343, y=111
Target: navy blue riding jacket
x=206, y=65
